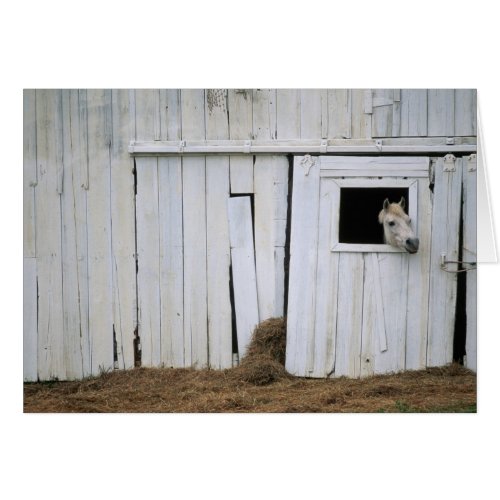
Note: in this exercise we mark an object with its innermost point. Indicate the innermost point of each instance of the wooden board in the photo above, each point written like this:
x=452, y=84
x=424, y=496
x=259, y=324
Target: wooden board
x=30, y=320
x=148, y=252
x=339, y=113
x=48, y=235
x=170, y=114
x=171, y=266
x=271, y=191
x=74, y=241
x=383, y=113
x=29, y=172
x=218, y=253
x=264, y=114
x=361, y=118
x=288, y=113
x=349, y=315
x=148, y=231
x=443, y=285
x=326, y=293
x=29, y=238
x=418, y=284
x=243, y=269
x=195, y=263
x=195, y=234
x=303, y=267
x=413, y=112
x=100, y=279
x=240, y=127
x=393, y=283
x=469, y=250
x=313, y=110
x=123, y=231
x=441, y=112
x=465, y=112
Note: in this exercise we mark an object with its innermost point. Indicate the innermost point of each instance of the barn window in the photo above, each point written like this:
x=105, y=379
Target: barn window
x=359, y=209
x=356, y=205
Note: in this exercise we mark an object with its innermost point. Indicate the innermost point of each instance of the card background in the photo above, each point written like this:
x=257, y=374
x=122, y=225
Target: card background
x=231, y=44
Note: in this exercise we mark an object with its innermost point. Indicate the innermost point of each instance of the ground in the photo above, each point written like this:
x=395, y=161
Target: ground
x=449, y=389
x=258, y=385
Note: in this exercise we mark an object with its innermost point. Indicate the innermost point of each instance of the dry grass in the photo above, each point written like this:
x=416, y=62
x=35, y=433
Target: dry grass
x=259, y=384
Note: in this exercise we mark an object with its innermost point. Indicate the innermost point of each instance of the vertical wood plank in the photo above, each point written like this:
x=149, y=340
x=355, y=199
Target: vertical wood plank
x=288, y=114
x=310, y=113
x=218, y=253
x=443, y=285
x=441, y=112
x=264, y=114
x=240, y=127
x=371, y=317
x=349, y=315
x=100, y=280
x=394, y=287
x=418, y=284
x=269, y=173
x=29, y=238
x=361, y=118
x=123, y=231
x=243, y=265
x=195, y=234
x=170, y=114
x=146, y=113
x=323, y=359
x=470, y=255
x=339, y=113
x=465, y=112
x=148, y=234
x=271, y=190
x=303, y=265
x=413, y=112
x=148, y=250
x=382, y=117
x=30, y=347
x=195, y=263
x=171, y=262
x=74, y=243
x=29, y=172
x=48, y=235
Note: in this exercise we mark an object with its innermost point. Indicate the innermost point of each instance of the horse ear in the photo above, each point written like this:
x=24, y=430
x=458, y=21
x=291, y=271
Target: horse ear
x=402, y=203
x=386, y=203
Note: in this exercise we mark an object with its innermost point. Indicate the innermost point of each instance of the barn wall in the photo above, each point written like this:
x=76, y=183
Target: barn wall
x=84, y=302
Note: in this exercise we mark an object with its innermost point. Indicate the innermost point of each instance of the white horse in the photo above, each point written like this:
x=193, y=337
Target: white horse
x=397, y=228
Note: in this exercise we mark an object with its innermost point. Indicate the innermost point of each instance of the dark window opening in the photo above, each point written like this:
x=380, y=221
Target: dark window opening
x=359, y=209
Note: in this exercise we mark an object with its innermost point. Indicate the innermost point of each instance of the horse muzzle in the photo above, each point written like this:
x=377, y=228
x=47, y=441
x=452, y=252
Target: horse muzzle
x=411, y=245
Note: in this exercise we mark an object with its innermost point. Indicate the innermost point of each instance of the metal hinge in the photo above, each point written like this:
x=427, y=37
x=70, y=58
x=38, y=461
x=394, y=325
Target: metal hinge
x=445, y=262
x=472, y=163
x=449, y=163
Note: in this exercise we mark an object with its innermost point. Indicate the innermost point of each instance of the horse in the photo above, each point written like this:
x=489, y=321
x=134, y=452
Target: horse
x=397, y=228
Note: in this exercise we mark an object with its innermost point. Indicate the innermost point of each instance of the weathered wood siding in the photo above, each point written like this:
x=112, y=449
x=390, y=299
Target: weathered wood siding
x=117, y=247
x=358, y=310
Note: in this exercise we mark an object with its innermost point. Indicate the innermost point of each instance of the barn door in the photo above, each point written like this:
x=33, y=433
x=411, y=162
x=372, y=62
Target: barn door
x=357, y=306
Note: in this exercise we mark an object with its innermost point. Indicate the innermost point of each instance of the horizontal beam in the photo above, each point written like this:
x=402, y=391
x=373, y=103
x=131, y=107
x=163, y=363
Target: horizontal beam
x=441, y=145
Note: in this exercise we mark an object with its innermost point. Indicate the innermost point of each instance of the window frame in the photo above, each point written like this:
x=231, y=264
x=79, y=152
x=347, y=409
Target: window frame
x=361, y=182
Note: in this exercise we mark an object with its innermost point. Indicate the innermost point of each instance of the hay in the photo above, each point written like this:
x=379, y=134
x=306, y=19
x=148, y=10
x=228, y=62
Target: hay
x=259, y=384
x=269, y=338
x=264, y=361
x=168, y=390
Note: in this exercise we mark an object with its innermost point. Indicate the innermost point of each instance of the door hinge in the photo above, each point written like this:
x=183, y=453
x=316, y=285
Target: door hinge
x=449, y=163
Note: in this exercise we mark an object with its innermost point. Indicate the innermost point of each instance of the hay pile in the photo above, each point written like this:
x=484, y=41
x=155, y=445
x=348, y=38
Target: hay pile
x=264, y=361
x=259, y=384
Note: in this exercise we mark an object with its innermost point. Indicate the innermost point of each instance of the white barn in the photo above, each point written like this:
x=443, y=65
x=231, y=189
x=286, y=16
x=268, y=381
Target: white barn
x=161, y=225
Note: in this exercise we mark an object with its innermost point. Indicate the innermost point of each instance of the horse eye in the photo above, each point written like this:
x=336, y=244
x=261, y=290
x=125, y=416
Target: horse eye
x=392, y=223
